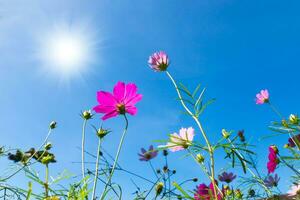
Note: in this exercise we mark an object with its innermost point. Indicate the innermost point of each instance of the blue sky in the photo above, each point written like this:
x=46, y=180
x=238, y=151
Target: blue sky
x=234, y=48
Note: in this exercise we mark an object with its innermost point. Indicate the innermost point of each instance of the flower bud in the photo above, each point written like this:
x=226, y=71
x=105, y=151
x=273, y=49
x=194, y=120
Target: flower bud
x=228, y=192
x=165, y=152
x=87, y=114
x=101, y=133
x=48, y=146
x=52, y=125
x=251, y=193
x=238, y=194
x=294, y=119
x=200, y=158
x=274, y=148
x=47, y=159
x=52, y=198
x=165, y=169
x=225, y=134
x=284, y=123
x=159, y=188
x=286, y=146
x=241, y=135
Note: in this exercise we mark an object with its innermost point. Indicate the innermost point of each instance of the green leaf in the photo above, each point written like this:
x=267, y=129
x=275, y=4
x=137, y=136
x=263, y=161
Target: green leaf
x=185, y=195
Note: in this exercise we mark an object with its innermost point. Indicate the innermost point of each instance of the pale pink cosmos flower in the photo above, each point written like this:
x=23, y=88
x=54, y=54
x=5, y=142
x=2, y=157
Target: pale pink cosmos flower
x=294, y=191
x=262, y=97
x=159, y=61
x=120, y=102
x=181, y=141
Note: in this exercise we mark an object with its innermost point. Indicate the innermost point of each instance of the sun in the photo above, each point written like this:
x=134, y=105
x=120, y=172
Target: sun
x=66, y=50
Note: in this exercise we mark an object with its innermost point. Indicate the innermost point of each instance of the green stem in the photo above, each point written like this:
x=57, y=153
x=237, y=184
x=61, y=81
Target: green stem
x=251, y=172
x=47, y=181
x=210, y=149
x=116, y=158
x=276, y=111
x=82, y=150
x=97, y=168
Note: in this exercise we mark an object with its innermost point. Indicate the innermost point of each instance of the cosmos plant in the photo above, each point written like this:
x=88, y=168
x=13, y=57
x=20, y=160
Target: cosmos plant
x=237, y=176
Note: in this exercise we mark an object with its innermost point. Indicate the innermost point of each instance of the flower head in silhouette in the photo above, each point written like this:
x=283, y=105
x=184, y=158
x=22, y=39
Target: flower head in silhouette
x=147, y=155
x=120, y=102
x=227, y=177
x=272, y=181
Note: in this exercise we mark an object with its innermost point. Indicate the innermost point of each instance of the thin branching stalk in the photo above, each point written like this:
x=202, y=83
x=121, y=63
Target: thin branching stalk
x=82, y=150
x=29, y=159
x=249, y=169
x=210, y=149
x=97, y=168
x=150, y=163
x=116, y=158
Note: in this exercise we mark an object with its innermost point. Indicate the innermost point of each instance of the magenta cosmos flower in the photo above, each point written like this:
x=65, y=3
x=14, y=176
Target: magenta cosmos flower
x=120, y=102
x=159, y=61
x=262, y=97
x=147, y=155
x=182, y=140
x=204, y=192
x=273, y=160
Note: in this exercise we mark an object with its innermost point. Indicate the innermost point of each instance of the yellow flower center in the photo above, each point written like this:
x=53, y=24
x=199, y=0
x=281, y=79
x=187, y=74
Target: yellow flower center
x=121, y=108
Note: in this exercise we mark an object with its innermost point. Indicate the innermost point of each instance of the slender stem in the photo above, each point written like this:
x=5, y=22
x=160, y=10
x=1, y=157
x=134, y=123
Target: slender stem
x=153, y=169
x=47, y=181
x=169, y=180
x=82, y=150
x=96, y=170
x=210, y=149
x=116, y=158
x=34, y=154
x=276, y=111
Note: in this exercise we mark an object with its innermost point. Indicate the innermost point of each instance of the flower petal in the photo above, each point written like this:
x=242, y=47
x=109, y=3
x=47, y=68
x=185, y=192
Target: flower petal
x=119, y=91
x=106, y=98
x=110, y=115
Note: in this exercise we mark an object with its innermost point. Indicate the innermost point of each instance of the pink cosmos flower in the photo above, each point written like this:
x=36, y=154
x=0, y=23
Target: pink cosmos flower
x=120, y=102
x=294, y=191
x=262, y=97
x=182, y=140
x=159, y=61
x=273, y=160
x=204, y=192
